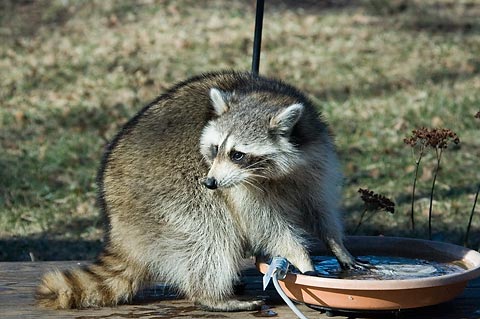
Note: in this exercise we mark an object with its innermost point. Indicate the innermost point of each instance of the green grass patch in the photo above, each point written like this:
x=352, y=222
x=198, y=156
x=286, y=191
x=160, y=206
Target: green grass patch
x=72, y=72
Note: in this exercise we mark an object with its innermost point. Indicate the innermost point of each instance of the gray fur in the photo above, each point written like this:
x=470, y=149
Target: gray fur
x=163, y=221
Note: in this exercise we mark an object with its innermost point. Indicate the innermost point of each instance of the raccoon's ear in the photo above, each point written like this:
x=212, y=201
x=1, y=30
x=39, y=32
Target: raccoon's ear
x=219, y=101
x=284, y=121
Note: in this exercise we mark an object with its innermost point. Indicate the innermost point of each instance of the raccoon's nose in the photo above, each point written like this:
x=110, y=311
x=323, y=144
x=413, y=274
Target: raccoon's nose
x=210, y=182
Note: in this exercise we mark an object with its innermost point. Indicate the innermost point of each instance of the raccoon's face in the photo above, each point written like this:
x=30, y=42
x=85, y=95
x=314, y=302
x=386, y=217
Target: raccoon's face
x=248, y=143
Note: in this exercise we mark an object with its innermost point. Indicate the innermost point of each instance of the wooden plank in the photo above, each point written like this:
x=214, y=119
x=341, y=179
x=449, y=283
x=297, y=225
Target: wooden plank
x=19, y=279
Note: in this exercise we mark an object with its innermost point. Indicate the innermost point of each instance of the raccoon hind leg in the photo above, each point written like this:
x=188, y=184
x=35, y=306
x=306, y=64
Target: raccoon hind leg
x=209, y=282
x=216, y=295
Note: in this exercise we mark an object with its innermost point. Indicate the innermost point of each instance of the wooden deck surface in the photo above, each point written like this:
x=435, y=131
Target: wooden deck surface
x=18, y=281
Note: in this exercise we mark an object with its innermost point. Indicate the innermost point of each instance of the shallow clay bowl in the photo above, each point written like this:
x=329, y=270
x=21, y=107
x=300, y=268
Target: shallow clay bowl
x=371, y=294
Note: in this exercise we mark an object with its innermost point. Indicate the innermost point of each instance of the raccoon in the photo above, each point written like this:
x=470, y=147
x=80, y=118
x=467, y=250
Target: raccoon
x=221, y=167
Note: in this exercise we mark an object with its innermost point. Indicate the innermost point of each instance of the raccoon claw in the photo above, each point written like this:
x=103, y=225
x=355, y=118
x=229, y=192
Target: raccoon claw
x=357, y=264
x=363, y=262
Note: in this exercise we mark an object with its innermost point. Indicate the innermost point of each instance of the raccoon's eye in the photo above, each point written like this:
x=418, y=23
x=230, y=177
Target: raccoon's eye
x=214, y=150
x=237, y=156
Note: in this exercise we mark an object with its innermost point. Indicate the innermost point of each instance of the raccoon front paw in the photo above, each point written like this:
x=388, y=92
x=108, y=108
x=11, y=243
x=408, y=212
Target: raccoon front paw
x=356, y=264
x=231, y=305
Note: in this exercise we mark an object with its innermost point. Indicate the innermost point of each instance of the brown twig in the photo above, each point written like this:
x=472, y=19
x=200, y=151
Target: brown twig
x=360, y=221
x=467, y=233
x=417, y=167
x=430, y=208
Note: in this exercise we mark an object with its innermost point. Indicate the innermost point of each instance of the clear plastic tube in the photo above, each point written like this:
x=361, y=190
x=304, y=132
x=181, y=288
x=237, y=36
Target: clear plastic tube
x=286, y=299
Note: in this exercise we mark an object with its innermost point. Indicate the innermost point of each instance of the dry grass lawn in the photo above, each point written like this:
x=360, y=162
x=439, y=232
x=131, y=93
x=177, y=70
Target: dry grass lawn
x=72, y=72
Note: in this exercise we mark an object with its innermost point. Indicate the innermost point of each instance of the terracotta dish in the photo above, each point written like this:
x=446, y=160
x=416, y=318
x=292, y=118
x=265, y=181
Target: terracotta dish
x=371, y=294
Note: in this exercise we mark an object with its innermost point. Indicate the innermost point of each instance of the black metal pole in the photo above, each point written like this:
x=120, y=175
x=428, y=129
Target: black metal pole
x=257, y=38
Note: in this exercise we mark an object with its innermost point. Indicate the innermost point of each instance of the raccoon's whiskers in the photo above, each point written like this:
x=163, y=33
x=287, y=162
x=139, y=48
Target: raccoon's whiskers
x=256, y=175
x=245, y=187
x=256, y=163
x=251, y=172
x=241, y=185
x=251, y=183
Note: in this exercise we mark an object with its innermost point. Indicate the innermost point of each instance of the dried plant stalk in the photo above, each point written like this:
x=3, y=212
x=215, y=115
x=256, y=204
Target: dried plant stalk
x=417, y=167
x=467, y=233
x=437, y=139
x=430, y=208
